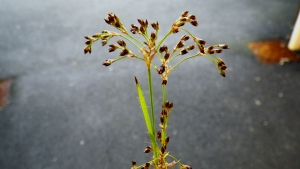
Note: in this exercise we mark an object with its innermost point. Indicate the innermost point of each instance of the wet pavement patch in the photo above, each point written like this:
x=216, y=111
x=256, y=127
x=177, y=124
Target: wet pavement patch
x=4, y=92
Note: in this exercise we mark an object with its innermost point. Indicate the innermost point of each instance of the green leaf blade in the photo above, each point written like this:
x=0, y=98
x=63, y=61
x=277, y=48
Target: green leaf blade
x=144, y=107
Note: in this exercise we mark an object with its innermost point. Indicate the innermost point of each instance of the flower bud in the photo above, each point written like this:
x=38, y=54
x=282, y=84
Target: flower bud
x=223, y=46
x=184, y=14
x=163, y=49
x=133, y=163
x=201, y=41
x=192, y=17
x=194, y=23
x=153, y=35
x=183, y=52
x=124, y=52
x=108, y=62
x=179, y=45
x=167, y=55
x=185, y=38
x=121, y=43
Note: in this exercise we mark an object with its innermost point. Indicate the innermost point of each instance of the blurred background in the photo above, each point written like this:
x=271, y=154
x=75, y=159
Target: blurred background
x=68, y=111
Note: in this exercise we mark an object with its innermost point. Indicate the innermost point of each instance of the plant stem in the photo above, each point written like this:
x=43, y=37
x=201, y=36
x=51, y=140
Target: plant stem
x=164, y=99
x=183, y=61
x=154, y=145
x=159, y=43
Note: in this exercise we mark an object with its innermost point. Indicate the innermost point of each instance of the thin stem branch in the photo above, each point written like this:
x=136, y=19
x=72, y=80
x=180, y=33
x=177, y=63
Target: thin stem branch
x=163, y=39
x=178, y=63
x=164, y=99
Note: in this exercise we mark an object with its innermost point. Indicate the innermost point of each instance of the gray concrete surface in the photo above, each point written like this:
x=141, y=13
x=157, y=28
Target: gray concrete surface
x=68, y=111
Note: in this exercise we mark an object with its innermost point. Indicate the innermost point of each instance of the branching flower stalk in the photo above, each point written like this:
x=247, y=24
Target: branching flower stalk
x=150, y=49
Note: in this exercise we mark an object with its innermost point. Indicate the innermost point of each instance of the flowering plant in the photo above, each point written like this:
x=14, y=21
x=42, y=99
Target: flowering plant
x=150, y=49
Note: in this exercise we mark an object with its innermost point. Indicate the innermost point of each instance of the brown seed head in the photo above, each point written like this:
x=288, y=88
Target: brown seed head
x=223, y=46
x=167, y=55
x=164, y=112
x=146, y=43
x=220, y=62
x=147, y=150
x=97, y=35
x=223, y=67
x=108, y=62
x=112, y=48
x=104, y=31
x=211, y=52
x=87, y=37
x=154, y=26
x=192, y=17
x=167, y=140
x=162, y=69
x=191, y=47
x=162, y=119
x=163, y=49
x=200, y=41
x=184, y=14
x=179, y=45
x=153, y=35
x=218, y=50
x=222, y=73
x=118, y=25
x=142, y=29
x=185, y=38
x=133, y=162
x=210, y=48
x=104, y=42
x=134, y=29
x=175, y=29
x=107, y=21
x=183, y=19
x=170, y=105
x=124, y=52
x=201, y=48
x=179, y=24
x=163, y=149
x=183, y=52
x=87, y=49
x=88, y=42
x=141, y=21
x=167, y=104
x=121, y=43
x=194, y=23
x=159, y=135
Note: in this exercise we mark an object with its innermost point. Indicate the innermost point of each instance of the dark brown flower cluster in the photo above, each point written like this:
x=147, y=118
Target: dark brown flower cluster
x=113, y=19
x=182, y=20
x=166, y=109
x=105, y=36
x=124, y=51
x=164, y=69
x=181, y=44
x=222, y=67
x=108, y=62
x=139, y=30
x=214, y=49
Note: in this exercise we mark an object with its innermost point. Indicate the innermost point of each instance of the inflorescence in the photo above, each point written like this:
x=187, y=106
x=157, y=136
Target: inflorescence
x=149, y=49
